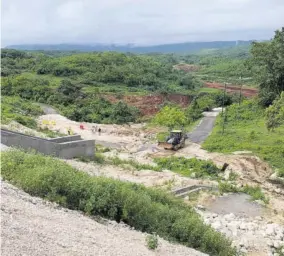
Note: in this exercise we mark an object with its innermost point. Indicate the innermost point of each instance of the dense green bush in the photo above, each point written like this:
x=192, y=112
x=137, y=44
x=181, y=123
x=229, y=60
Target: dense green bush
x=145, y=209
x=19, y=110
x=171, y=117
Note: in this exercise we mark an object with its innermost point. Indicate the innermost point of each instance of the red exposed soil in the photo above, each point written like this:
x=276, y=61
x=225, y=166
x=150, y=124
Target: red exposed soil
x=150, y=104
x=247, y=92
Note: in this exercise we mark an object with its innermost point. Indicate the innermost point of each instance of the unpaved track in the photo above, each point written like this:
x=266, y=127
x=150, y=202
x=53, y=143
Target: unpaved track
x=132, y=138
x=33, y=227
x=146, y=177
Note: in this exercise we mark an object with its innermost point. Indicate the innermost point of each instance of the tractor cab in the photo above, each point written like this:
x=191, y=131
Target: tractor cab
x=175, y=140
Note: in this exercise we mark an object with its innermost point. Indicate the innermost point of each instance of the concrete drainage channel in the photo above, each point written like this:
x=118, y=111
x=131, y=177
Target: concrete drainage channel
x=63, y=147
x=183, y=192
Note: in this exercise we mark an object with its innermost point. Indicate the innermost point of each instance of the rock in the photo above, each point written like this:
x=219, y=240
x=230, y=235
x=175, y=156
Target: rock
x=270, y=243
x=229, y=216
x=279, y=236
x=234, y=224
x=276, y=244
x=214, y=215
x=207, y=221
x=260, y=202
x=243, y=226
x=251, y=226
x=200, y=207
x=216, y=225
x=258, y=218
x=227, y=174
x=243, y=250
x=270, y=230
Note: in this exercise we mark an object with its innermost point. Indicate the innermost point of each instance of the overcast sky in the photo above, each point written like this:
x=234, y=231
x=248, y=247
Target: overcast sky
x=138, y=21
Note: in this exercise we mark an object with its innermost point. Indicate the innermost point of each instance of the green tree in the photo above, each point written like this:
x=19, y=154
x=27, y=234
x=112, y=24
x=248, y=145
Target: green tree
x=275, y=113
x=267, y=66
x=171, y=117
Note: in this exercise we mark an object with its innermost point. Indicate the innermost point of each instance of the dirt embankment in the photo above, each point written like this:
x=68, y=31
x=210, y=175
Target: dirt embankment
x=247, y=92
x=150, y=104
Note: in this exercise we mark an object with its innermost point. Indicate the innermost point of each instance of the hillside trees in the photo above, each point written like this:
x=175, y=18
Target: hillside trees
x=171, y=117
x=267, y=65
x=275, y=113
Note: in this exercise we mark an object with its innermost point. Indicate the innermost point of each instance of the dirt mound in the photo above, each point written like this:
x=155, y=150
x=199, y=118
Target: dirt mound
x=186, y=67
x=247, y=92
x=150, y=104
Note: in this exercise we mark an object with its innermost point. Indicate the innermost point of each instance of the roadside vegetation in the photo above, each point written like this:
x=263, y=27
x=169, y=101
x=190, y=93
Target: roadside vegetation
x=245, y=129
x=174, y=117
x=145, y=209
x=24, y=112
x=254, y=191
x=257, y=125
x=189, y=167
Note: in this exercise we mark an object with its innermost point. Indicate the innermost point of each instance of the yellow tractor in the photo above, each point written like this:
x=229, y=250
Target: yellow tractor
x=174, y=141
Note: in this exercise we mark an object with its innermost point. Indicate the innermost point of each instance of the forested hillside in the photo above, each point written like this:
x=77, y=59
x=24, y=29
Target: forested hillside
x=77, y=83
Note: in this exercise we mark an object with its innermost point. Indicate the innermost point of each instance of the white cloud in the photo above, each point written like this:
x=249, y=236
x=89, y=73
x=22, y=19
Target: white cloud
x=138, y=21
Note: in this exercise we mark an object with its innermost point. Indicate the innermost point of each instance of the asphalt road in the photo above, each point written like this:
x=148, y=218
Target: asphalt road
x=202, y=131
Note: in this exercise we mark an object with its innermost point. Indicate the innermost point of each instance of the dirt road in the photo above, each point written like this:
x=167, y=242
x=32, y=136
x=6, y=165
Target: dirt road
x=246, y=91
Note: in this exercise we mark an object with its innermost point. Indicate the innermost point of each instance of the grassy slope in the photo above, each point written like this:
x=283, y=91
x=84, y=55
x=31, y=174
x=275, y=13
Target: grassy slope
x=249, y=135
x=145, y=209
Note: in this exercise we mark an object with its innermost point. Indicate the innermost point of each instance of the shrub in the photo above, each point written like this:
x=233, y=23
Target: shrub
x=19, y=110
x=245, y=130
x=152, y=241
x=255, y=192
x=188, y=166
x=170, y=117
x=145, y=209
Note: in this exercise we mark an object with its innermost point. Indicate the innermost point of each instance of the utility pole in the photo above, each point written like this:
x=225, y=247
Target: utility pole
x=225, y=86
x=240, y=92
x=224, y=114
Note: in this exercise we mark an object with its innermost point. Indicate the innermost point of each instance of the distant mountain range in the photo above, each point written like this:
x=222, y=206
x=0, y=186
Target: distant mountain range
x=165, y=48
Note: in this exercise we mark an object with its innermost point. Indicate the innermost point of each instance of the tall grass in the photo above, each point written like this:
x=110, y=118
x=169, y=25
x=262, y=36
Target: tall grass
x=145, y=209
x=189, y=166
x=245, y=130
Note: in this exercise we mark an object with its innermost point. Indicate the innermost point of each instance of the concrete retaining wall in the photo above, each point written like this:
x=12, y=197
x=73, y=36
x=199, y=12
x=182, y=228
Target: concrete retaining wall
x=66, y=138
x=65, y=147
x=85, y=148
